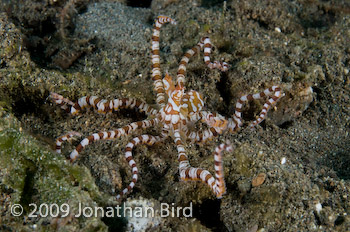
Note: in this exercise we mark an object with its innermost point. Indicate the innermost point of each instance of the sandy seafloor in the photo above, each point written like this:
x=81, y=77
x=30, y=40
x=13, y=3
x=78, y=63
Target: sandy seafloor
x=78, y=48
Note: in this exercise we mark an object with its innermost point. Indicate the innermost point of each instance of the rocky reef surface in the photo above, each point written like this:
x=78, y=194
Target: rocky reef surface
x=291, y=173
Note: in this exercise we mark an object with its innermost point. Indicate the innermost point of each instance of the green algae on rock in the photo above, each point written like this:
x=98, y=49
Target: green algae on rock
x=301, y=50
x=31, y=173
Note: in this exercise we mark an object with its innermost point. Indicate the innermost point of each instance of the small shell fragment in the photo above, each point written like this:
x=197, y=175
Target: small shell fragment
x=258, y=180
x=283, y=160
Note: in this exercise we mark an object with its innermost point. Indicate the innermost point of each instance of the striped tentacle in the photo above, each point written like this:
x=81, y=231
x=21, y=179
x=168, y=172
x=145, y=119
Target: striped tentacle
x=168, y=84
x=275, y=92
x=217, y=184
x=156, y=73
x=142, y=139
x=202, y=136
x=220, y=187
x=126, y=130
x=203, y=43
x=184, y=164
x=234, y=124
x=63, y=138
x=103, y=105
x=222, y=66
x=63, y=102
x=180, y=78
x=214, y=120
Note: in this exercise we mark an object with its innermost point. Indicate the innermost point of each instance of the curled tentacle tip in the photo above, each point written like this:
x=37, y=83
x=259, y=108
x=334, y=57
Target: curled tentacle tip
x=252, y=127
x=225, y=66
x=229, y=148
x=75, y=133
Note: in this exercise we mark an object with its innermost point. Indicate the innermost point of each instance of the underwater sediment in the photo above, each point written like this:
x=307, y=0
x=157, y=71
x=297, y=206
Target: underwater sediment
x=289, y=174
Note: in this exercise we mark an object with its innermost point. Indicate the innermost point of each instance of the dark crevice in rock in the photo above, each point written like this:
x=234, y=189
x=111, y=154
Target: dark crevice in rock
x=208, y=213
x=28, y=188
x=339, y=161
x=211, y=3
x=139, y=3
x=223, y=86
x=286, y=125
x=115, y=223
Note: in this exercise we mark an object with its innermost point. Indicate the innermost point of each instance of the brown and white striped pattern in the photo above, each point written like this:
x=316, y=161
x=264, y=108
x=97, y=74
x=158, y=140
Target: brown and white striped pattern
x=275, y=92
x=222, y=66
x=233, y=124
x=63, y=138
x=102, y=105
x=182, y=157
x=201, y=136
x=215, y=120
x=181, y=109
x=203, y=43
x=142, y=139
x=180, y=78
x=63, y=102
x=114, y=134
x=217, y=125
x=156, y=72
x=217, y=184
